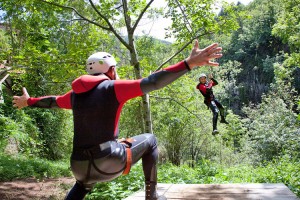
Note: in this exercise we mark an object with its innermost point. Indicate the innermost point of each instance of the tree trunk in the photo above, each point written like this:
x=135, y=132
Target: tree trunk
x=129, y=45
x=146, y=113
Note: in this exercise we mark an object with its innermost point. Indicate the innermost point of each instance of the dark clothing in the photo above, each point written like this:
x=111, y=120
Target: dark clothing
x=215, y=107
x=97, y=102
x=78, y=192
x=109, y=163
x=207, y=91
x=210, y=100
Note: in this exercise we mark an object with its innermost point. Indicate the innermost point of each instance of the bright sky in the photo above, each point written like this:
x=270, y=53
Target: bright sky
x=156, y=28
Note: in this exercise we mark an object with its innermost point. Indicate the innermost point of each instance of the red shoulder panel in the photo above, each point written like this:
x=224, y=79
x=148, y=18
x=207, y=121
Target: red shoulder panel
x=64, y=101
x=87, y=82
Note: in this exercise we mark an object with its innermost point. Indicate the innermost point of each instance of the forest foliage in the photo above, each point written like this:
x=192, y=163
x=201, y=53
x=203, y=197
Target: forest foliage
x=47, y=46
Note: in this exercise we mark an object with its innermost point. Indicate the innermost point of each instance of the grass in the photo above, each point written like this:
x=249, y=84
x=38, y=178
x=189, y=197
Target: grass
x=284, y=170
x=19, y=167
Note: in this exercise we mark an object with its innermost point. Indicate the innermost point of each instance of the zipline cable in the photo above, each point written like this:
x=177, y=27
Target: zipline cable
x=190, y=30
x=188, y=25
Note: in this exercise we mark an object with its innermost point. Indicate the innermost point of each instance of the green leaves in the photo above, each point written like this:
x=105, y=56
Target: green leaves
x=121, y=187
x=287, y=26
x=23, y=167
x=272, y=129
x=191, y=18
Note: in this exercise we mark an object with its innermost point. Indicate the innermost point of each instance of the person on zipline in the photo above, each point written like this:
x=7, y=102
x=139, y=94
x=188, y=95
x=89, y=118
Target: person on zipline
x=96, y=101
x=205, y=87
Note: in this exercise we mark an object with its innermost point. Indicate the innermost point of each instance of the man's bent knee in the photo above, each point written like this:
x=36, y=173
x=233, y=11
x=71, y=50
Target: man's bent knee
x=151, y=139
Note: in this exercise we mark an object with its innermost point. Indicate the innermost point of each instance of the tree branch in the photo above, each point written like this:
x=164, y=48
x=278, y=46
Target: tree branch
x=180, y=50
x=111, y=28
x=141, y=15
x=171, y=99
x=77, y=19
x=190, y=29
x=120, y=6
x=3, y=79
x=71, y=8
x=126, y=17
x=5, y=70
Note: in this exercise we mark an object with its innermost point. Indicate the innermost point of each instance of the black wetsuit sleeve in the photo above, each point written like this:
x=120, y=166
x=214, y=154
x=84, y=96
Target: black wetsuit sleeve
x=164, y=77
x=63, y=101
x=43, y=102
x=215, y=82
x=128, y=89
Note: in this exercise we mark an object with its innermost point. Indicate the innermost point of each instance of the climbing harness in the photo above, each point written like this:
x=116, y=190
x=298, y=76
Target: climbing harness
x=105, y=149
x=128, y=143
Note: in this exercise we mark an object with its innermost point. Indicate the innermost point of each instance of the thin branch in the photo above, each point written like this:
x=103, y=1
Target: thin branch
x=120, y=6
x=5, y=70
x=190, y=29
x=69, y=7
x=126, y=17
x=101, y=15
x=38, y=62
x=2, y=80
x=141, y=15
x=171, y=99
x=180, y=50
x=111, y=28
x=71, y=20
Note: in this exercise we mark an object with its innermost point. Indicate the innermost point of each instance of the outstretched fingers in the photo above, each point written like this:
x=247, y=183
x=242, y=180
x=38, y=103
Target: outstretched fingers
x=215, y=55
x=25, y=91
x=196, y=45
x=21, y=101
x=214, y=64
x=206, y=56
x=213, y=52
x=15, y=101
x=211, y=47
x=214, y=49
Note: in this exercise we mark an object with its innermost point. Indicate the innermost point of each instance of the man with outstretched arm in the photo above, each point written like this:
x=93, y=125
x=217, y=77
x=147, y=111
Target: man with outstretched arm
x=96, y=101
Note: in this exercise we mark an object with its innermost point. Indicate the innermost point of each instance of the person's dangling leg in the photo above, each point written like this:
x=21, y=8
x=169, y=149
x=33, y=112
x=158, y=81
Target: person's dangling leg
x=145, y=146
x=222, y=112
x=215, y=111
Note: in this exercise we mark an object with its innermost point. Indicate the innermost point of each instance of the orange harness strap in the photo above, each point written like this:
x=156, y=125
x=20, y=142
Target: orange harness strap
x=128, y=144
x=128, y=162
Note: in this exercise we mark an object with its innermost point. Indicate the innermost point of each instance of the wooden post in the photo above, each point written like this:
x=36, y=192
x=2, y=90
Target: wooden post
x=1, y=93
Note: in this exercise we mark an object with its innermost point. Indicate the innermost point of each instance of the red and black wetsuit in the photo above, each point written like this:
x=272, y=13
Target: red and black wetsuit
x=210, y=100
x=97, y=102
x=206, y=90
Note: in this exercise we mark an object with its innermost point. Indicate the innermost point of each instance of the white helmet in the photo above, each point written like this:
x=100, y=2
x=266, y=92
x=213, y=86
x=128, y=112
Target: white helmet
x=202, y=75
x=100, y=62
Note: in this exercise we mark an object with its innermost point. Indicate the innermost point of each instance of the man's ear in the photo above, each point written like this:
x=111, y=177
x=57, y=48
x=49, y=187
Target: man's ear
x=116, y=73
x=111, y=73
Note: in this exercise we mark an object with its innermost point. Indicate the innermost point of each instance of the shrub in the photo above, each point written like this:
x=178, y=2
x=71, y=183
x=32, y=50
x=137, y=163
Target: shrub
x=23, y=167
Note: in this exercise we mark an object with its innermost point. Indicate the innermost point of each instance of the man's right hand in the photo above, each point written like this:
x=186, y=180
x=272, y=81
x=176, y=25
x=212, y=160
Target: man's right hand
x=200, y=57
x=21, y=101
